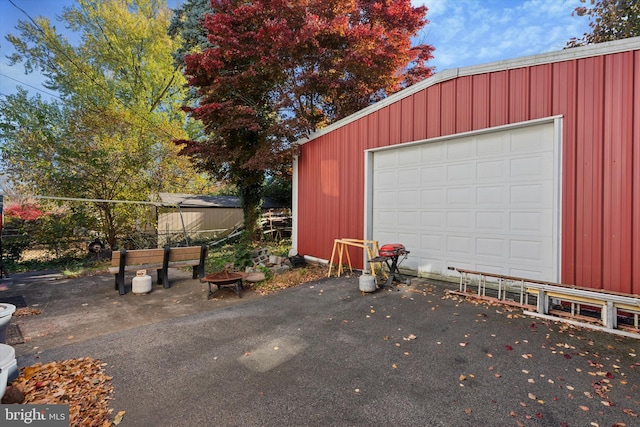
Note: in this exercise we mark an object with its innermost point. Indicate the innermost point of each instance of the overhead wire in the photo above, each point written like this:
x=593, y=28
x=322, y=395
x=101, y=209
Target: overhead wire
x=30, y=86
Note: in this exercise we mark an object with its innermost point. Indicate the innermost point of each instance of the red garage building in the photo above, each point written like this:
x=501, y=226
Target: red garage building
x=528, y=167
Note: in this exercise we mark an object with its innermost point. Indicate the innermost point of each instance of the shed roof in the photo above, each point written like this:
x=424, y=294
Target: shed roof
x=449, y=74
x=200, y=201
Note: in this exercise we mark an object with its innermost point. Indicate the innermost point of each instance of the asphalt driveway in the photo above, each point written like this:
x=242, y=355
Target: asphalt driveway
x=323, y=354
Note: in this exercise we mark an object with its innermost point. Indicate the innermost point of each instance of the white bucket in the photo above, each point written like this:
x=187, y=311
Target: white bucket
x=6, y=311
x=367, y=283
x=8, y=367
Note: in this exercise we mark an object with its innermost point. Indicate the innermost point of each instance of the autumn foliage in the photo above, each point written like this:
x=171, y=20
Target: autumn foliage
x=274, y=71
x=26, y=212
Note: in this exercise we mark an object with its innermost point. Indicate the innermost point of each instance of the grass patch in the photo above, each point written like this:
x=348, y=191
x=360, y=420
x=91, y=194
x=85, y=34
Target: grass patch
x=68, y=266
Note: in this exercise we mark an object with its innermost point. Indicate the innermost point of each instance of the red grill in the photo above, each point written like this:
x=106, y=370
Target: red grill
x=390, y=254
x=392, y=249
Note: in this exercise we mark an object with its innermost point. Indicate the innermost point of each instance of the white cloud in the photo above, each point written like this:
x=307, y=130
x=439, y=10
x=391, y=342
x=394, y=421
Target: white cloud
x=469, y=32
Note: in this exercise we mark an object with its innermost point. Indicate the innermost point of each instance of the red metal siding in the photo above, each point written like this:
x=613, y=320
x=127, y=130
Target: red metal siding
x=564, y=102
x=407, y=118
x=480, y=116
x=448, y=107
x=589, y=150
x=464, y=104
x=618, y=168
x=635, y=201
x=420, y=116
x=395, y=123
x=498, y=99
x=519, y=92
x=540, y=94
x=599, y=101
x=433, y=111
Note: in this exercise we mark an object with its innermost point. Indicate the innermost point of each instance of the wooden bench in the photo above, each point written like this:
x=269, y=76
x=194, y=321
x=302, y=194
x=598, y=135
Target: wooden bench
x=159, y=259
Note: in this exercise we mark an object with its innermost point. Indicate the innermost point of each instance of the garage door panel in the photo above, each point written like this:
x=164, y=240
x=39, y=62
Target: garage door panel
x=529, y=251
x=465, y=148
x=494, y=196
x=432, y=197
x=432, y=176
x=491, y=268
x=490, y=247
x=537, y=222
x=491, y=222
x=388, y=199
x=532, y=139
x=460, y=220
x=409, y=157
x=409, y=177
x=492, y=144
x=491, y=170
x=531, y=195
x=386, y=217
x=408, y=198
x=461, y=196
x=430, y=243
x=483, y=202
x=434, y=154
x=425, y=265
x=387, y=160
x=408, y=218
x=464, y=172
x=538, y=167
x=460, y=244
x=385, y=179
x=412, y=239
x=431, y=220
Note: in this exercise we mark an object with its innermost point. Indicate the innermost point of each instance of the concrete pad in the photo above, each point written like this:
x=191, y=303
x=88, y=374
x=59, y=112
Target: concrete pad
x=325, y=354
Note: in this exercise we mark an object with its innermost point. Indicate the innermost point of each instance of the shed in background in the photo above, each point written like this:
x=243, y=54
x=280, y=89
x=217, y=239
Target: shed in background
x=203, y=217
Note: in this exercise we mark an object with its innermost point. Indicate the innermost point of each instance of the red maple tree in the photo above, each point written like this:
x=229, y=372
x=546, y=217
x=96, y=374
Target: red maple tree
x=274, y=71
x=25, y=212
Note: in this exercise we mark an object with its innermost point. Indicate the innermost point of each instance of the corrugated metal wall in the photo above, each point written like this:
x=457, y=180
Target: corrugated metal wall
x=199, y=223
x=599, y=99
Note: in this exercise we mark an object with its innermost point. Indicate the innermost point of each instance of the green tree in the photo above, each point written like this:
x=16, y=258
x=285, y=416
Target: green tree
x=109, y=137
x=275, y=70
x=609, y=20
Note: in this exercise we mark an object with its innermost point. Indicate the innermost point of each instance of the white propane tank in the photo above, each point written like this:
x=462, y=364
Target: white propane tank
x=367, y=283
x=141, y=284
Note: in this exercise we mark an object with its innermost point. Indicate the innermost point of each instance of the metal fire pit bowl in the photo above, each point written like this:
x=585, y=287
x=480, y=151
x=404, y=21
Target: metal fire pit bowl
x=224, y=279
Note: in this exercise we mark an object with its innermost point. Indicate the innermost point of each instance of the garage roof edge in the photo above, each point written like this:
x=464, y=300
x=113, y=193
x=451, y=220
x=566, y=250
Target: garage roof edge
x=606, y=48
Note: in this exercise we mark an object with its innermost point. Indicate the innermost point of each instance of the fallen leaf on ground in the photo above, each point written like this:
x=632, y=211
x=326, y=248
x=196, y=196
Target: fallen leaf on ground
x=80, y=383
x=118, y=418
x=26, y=311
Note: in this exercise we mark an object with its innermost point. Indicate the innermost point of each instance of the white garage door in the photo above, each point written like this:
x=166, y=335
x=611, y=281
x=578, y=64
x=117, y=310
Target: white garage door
x=486, y=202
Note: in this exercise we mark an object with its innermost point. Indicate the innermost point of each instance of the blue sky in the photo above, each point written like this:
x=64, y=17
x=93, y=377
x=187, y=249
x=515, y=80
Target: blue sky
x=464, y=32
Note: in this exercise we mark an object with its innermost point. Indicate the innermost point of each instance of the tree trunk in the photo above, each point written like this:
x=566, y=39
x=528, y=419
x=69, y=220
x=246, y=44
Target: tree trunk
x=108, y=225
x=250, y=189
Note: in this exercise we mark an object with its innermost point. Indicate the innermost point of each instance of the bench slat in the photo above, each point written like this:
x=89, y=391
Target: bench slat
x=159, y=259
x=181, y=254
